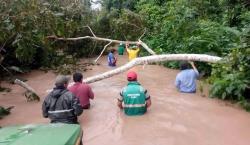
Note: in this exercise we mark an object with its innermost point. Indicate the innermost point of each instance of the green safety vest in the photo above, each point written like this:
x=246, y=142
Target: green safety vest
x=120, y=50
x=134, y=99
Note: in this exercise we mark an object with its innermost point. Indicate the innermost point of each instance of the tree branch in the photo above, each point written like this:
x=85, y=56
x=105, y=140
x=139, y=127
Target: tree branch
x=142, y=34
x=144, y=45
x=91, y=31
x=31, y=95
x=103, y=51
x=94, y=37
x=151, y=59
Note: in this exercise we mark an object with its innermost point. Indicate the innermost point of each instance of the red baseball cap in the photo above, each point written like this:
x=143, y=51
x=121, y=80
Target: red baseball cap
x=132, y=76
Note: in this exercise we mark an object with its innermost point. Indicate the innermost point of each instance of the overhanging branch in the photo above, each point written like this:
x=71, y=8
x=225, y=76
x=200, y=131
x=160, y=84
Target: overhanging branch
x=105, y=39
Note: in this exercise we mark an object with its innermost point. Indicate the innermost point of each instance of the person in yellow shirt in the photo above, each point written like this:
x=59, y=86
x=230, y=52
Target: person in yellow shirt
x=132, y=52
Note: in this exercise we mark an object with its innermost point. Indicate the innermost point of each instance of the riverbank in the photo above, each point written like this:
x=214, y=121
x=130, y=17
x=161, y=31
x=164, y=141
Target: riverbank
x=174, y=118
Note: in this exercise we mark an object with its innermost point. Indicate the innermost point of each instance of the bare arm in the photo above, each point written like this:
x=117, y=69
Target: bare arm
x=148, y=99
x=91, y=94
x=148, y=103
x=193, y=66
x=119, y=104
x=195, y=69
x=127, y=47
x=120, y=100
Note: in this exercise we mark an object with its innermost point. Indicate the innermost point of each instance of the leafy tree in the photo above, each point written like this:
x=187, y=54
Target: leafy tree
x=230, y=78
x=26, y=24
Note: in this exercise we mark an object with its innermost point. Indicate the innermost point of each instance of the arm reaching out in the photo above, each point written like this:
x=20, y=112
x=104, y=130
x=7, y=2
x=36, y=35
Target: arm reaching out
x=148, y=103
x=195, y=69
x=127, y=45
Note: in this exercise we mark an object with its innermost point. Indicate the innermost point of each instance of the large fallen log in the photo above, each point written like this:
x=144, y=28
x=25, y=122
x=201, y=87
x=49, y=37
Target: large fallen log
x=30, y=94
x=152, y=59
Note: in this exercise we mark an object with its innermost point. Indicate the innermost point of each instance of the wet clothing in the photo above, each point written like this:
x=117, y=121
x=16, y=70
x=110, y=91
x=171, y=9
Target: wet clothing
x=186, y=81
x=61, y=106
x=121, y=49
x=132, y=54
x=134, y=98
x=83, y=92
x=111, y=59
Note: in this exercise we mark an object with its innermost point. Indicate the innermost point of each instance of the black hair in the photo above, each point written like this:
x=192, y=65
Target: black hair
x=77, y=77
x=112, y=50
x=184, y=65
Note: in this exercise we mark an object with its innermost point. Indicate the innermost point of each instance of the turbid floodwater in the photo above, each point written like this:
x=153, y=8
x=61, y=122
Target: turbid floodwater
x=174, y=118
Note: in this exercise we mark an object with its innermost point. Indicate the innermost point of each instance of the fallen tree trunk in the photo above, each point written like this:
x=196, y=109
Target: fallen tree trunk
x=30, y=94
x=152, y=59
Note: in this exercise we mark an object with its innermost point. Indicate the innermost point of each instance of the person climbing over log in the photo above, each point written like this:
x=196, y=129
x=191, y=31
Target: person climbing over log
x=136, y=99
x=121, y=49
x=111, y=58
x=186, y=79
x=81, y=90
x=62, y=106
x=133, y=51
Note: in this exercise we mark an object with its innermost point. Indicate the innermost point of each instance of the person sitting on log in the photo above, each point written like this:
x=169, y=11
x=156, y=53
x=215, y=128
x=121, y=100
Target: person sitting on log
x=135, y=98
x=186, y=79
x=111, y=58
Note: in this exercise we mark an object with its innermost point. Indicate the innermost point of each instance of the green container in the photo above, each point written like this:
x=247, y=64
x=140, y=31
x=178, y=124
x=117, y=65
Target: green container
x=41, y=134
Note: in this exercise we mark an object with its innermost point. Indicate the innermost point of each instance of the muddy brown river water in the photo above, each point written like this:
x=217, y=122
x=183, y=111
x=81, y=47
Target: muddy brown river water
x=174, y=118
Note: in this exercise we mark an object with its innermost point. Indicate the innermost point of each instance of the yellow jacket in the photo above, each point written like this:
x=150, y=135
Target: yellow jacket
x=132, y=53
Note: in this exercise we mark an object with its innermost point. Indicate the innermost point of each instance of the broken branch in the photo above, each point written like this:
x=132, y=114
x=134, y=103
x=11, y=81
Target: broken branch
x=103, y=51
x=31, y=95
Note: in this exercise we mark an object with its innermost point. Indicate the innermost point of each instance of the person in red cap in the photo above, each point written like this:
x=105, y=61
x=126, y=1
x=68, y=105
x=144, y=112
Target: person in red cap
x=134, y=99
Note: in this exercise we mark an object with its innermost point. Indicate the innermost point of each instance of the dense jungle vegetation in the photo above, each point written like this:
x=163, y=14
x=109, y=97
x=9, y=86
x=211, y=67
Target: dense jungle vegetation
x=215, y=27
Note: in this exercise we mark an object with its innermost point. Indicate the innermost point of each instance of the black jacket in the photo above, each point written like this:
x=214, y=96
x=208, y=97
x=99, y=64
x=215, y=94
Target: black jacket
x=61, y=106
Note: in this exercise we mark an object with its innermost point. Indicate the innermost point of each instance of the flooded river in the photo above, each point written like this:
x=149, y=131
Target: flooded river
x=173, y=119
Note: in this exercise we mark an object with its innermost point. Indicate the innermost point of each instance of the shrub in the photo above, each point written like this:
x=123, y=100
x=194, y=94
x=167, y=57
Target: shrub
x=230, y=79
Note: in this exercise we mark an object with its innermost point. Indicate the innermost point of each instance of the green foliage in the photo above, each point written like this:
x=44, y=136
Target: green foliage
x=211, y=27
x=121, y=25
x=119, y=4
x=230, y=79
x=26, y=24
x=192, y=27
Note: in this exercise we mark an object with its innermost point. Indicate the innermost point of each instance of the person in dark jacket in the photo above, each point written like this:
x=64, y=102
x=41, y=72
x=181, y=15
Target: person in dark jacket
x=61, y=106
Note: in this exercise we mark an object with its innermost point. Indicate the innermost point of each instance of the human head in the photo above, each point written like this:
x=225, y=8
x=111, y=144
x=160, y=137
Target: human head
x=184, y=65
x=134, y=47
x=112, y=50
x=62, y=81
x=77, y=77
x=132, y=76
